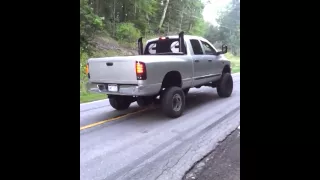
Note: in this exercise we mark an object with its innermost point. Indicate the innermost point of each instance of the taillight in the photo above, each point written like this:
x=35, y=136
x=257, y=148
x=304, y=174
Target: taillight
x=163, y=38
x=141, y=70
x=87, y=70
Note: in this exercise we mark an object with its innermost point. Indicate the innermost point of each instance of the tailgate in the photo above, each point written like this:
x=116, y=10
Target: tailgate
x=113, y=70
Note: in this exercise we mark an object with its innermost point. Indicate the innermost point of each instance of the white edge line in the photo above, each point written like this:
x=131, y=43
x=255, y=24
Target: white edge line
x=92, y=102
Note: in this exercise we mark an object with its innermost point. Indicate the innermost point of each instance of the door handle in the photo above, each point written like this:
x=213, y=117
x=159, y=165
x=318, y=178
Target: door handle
x=210, y=60
x=196, y=61
x=109, y=63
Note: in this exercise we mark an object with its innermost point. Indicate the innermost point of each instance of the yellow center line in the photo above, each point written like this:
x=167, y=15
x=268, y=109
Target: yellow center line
x=112, y=119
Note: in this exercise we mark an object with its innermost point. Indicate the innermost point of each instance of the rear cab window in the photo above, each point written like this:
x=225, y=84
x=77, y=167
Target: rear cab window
x=164, y=46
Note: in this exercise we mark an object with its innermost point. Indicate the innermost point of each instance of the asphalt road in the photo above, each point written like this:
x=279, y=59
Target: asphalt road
x=146, y=145
x=223, y=163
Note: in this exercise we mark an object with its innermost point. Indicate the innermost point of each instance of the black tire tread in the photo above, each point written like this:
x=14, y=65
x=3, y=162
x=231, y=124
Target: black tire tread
x=119, y=103
x=222, y=86
x=166, y=102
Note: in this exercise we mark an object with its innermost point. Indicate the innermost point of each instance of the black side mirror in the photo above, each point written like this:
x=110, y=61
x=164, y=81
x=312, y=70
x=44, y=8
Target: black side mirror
x=224, y=49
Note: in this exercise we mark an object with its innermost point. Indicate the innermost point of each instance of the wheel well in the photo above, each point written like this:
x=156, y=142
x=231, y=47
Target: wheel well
x=226, y=69
x=172, y=78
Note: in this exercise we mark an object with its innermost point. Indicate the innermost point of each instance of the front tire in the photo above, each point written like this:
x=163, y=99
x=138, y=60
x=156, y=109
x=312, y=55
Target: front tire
x=225, y=85
x=119, y=102
x=173, y=102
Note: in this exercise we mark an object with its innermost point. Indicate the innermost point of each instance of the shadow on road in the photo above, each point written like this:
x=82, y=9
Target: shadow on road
x=194, y=100
x=198, y=99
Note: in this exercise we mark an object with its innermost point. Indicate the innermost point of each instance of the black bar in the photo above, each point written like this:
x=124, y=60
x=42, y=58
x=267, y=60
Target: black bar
x=181, y=42
x=140, y=46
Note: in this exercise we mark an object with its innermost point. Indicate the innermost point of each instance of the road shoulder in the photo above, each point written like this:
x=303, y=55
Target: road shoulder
x=221, y=164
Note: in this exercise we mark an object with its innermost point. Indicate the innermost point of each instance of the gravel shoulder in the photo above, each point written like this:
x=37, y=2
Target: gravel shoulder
x=221, y=164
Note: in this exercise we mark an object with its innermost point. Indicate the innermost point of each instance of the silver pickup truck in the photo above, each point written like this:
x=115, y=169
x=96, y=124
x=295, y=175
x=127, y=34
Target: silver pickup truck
x=162, y=69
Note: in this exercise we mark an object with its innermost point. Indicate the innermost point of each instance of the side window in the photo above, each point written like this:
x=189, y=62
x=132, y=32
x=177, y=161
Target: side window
x=197, y=50
x=208, y=49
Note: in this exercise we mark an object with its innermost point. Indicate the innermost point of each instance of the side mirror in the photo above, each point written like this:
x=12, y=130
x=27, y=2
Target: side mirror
x=224, y=49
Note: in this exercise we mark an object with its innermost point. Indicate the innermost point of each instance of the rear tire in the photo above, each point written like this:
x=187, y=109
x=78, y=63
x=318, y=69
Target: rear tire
x=173, y=102
x=120, y=102
x=225, y=85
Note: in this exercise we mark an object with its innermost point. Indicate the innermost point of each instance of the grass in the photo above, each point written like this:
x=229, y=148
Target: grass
x=235, y=62
x=88, y=97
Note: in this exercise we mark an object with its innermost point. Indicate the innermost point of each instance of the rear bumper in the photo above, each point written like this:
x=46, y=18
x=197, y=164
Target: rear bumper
x=127, y=90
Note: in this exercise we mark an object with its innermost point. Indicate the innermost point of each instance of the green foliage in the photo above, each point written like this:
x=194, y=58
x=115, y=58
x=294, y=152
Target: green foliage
x=200, y=28
x=141, y=25
x=88, y=97
x=235, y=62
x=127, y=32
x=83, y=77
x=228, y=31
x=89, y=25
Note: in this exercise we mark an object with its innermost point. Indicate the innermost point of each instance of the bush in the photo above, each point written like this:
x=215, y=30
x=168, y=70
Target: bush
x=83, y=77
x=90, y=24
x=127, y=32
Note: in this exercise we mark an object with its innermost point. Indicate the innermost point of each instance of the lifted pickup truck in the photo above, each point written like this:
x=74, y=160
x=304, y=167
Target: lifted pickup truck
x=167, y=67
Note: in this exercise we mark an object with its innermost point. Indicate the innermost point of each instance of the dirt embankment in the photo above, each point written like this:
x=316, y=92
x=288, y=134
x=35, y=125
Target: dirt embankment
x=112, y=48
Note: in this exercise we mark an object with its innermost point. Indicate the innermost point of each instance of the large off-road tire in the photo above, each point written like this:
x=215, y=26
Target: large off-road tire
x=119, y=102
x=144, y=101
x=225, y=85
x=186, y=91
x=173, y=102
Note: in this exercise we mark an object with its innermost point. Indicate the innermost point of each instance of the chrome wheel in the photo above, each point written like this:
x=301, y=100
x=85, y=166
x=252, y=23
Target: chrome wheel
x=176, y=102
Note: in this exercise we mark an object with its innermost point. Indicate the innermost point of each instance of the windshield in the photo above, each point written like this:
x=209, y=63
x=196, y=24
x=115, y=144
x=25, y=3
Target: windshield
x=163, y=46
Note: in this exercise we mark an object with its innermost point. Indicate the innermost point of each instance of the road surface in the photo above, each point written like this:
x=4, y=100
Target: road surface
x=143, y=144
x=221, y=164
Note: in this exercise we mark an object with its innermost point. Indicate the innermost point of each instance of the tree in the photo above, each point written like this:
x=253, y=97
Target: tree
x=228, y=31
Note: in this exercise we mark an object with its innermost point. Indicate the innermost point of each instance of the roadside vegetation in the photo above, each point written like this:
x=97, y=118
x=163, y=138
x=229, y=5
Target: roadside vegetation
x=112, y=27
x=235, y=62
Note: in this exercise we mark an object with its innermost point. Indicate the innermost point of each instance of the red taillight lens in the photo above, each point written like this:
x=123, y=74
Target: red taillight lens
x=163, y=38
x=87, y=68
x=139, y=68
x=141, y=71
